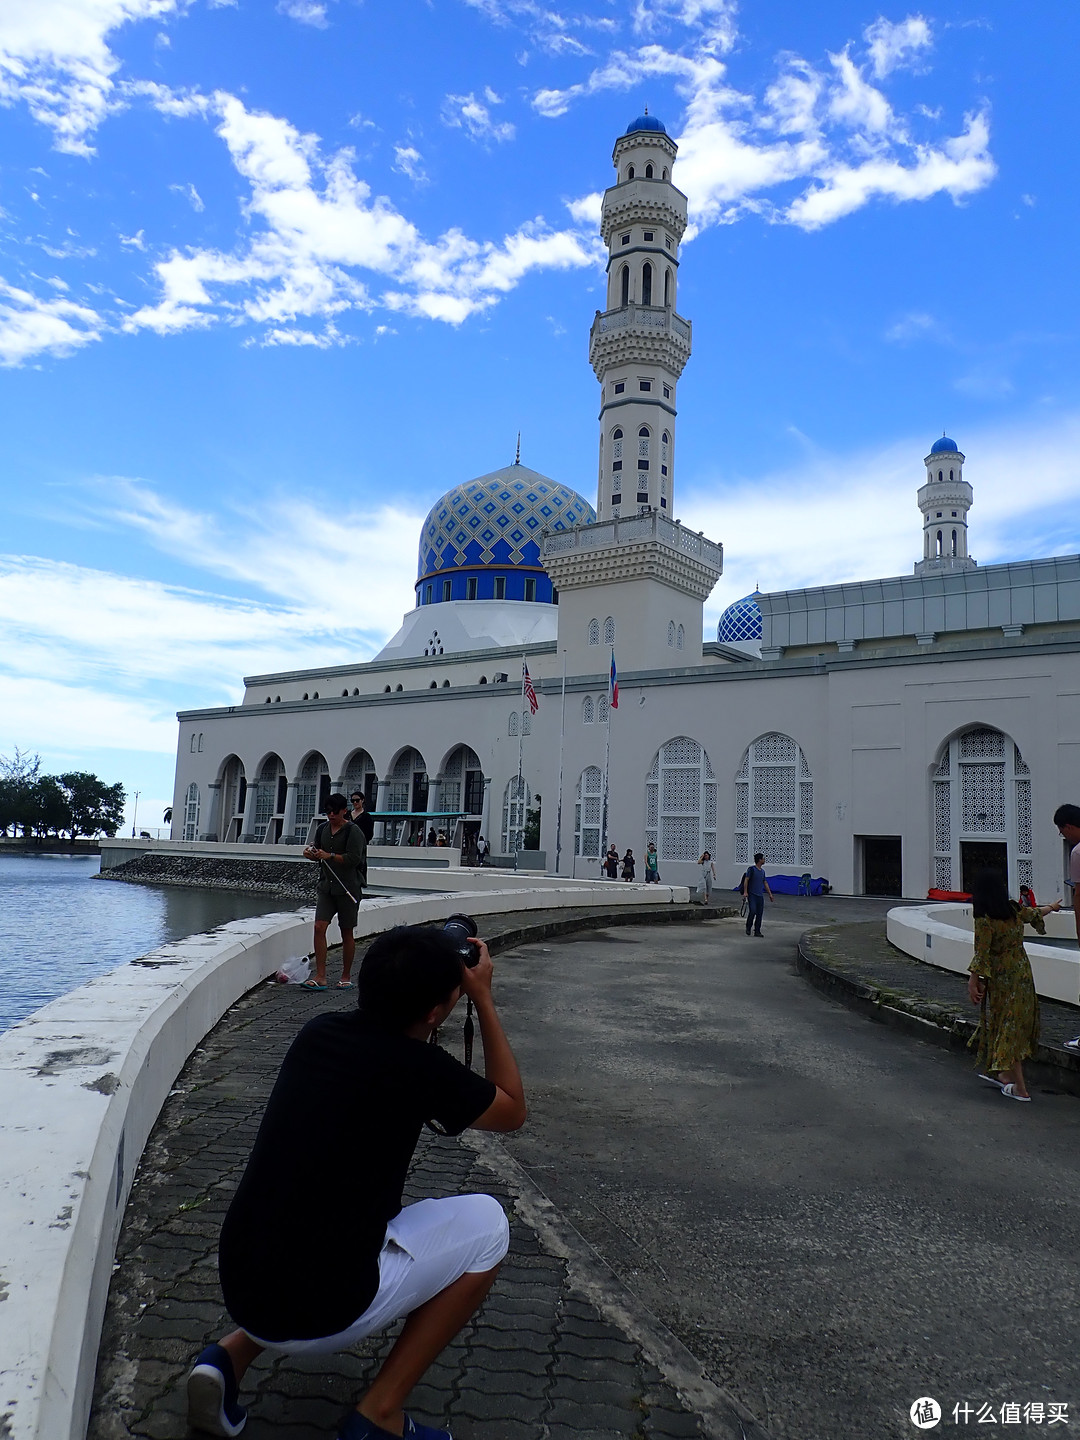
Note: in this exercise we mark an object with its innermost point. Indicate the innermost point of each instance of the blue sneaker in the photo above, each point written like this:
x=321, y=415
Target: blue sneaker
x=359, y=1427
x=212, y=1394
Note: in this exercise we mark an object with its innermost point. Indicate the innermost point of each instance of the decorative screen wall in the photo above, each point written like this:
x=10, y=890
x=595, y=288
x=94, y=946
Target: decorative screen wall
x=774, y=803
x=680, y=801
x=516, y=800
x=590, y=790
x=981, y=791
x=191, y=813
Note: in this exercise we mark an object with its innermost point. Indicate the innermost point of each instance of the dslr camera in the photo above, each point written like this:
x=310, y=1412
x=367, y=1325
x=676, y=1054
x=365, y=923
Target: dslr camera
x=463, y=928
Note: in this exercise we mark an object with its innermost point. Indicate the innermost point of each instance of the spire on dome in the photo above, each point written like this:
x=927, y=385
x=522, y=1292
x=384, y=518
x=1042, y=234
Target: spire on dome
x=517, y=455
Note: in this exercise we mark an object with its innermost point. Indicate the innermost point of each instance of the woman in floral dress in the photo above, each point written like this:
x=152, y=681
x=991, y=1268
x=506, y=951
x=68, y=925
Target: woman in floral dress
x=1000, y=983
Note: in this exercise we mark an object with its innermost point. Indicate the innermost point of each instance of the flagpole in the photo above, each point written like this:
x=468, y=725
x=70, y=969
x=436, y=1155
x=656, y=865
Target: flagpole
x=562, y=738
x=607, y=760
x=521, y=746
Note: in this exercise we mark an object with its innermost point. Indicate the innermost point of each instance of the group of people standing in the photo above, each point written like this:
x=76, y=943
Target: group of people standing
x=612, y=864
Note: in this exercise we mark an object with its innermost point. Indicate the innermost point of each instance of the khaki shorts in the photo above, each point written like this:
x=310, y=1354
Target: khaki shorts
x=327, y=907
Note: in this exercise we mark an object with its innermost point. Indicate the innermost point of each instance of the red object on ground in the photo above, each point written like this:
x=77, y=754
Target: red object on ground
x=947, y=895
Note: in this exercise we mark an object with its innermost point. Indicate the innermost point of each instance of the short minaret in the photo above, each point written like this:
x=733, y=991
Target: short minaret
x=944, y=500
x=639, y=345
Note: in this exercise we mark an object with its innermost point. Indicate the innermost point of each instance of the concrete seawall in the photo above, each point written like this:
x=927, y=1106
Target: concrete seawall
x=81, y=1084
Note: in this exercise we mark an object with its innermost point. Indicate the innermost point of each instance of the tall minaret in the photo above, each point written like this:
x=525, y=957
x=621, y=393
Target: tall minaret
x=944, y=500
x=639, y=345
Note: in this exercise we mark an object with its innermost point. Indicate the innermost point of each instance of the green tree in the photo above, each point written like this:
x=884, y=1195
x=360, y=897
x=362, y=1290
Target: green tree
x=48, y=806
x=531, y=832
x=18, y=779
x=92, y=806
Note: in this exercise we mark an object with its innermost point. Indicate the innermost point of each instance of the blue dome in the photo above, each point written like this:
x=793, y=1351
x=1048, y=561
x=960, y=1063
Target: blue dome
x=740, y=621
x=944, y=444
x=646, y=122
x=490, y=525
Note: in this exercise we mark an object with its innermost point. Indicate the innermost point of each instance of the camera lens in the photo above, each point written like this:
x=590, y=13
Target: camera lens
x=462, y=928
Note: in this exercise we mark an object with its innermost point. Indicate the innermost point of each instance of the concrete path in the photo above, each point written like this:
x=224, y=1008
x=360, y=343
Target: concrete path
x=835, y=1218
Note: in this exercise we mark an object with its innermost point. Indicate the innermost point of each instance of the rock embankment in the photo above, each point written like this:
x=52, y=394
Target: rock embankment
x=292, y=880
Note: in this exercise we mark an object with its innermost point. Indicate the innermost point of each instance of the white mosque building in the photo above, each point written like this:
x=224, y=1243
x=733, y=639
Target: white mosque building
x=889, y=735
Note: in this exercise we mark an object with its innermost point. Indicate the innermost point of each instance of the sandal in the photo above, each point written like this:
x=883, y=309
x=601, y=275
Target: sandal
x=344, y=985
x=311, y=985
x=990, y=1080
x=1010, y=1092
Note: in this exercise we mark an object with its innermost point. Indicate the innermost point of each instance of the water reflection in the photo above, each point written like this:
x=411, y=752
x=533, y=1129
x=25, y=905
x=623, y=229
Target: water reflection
x=59, y=926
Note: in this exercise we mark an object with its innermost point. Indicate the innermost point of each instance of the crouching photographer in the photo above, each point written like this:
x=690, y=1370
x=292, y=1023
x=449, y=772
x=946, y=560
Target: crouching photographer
x=337, y=1138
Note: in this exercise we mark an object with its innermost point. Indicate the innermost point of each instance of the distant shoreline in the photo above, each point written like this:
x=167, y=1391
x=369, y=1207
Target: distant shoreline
x=20, y=846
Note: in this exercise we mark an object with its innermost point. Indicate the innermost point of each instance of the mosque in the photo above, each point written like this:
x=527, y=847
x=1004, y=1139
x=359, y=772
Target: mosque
x=889, y=735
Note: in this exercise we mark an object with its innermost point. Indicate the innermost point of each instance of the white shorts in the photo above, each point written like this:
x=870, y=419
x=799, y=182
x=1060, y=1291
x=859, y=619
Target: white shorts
x=428, y=1246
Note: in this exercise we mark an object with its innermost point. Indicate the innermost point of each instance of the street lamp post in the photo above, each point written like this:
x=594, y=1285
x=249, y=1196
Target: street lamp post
x=135, y=813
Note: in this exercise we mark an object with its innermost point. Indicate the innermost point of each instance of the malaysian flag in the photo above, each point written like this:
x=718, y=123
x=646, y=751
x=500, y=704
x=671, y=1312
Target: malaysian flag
x=613, y=685
x=527, y=689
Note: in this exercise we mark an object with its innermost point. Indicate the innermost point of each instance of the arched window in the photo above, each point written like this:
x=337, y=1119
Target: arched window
x=671, y=633
x=940, y=474
x=446, y=684
x=408, y=788
x=398, y=688
x=433, y=684
x=360, y=774
x=594, y=632
x=344, y=695
x=646, y=284
x=664, y=175
x=774, y=803
x=680, y=638
x=386, y=690
x=616, y=449
x=629, y=172
x=954, y=542
x=512, y=729
x=312, y=773
x=193, y=742
x=643, y=448
x=516, y=801
x=602, y=710
x=590, y=788
x=940, y=551
x=680, y=801
x=982, y=802
x=463, y=769
x=609, y=631
x=191, y=812
x=587, y=716
x=667, y=287
x=199, y=746
x=271, y=790
x=950, y=474
x=625, y=283
x=648, y=172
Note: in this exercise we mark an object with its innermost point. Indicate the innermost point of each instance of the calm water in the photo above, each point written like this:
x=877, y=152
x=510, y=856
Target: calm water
x=59, y=927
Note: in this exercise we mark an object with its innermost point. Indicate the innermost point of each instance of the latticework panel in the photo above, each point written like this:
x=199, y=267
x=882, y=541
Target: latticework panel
x=512, y=725
x=804, y=768
x=602, y=710
x=451, y=796
x=1023, y=872
x=362, y=764
x=774, y=836
x=806, y=805
x=191, y=813
x=682, y=791
x=982, y=789
x=806, y=850
x=775, y=749
x=681, y=751
x=741, y=850
x=982, y=745
x=1020, y=763
x=264, y=805
x=1023, y=817
x=942, y=815
x=943, y=872
x=743, y=772
x=709, y=815
x=742, y=806
x=306, y=798
x=652, y=810
x=773, y=790
x=588, y=715
x=943, y=768
x=681, y=837
x=609, y=631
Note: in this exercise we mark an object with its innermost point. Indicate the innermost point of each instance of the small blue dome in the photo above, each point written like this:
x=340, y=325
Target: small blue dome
x=646, y=122
x=741, y=621
x=944, y=444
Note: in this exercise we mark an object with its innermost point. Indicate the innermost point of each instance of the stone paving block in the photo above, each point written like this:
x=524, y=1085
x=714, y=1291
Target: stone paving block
x=605, y=1347
x=491, y=1362
x=622, y=1419
x=505, y=1430
x=514, y=1382
x=672, y=1425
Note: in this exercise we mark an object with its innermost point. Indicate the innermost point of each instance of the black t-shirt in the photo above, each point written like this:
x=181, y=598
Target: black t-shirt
x=365, y=821
x=350, y=842
x=299, y=1248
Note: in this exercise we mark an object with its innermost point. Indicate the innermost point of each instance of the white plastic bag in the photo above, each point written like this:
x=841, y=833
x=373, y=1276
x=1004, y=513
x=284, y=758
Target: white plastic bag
x=294, y=972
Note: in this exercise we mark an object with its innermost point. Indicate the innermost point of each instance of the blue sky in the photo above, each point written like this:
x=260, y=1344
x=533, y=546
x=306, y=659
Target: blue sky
x=275, y=276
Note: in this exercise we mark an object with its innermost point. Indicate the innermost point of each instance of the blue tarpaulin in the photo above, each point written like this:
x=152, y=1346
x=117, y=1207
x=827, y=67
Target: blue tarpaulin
x=789, y=884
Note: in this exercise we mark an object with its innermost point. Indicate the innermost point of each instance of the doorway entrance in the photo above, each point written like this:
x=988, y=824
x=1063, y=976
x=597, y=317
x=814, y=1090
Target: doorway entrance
x=979, y=855
x=882, y=867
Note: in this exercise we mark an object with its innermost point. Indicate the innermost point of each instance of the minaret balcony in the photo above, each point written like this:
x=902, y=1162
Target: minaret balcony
x=640, y=332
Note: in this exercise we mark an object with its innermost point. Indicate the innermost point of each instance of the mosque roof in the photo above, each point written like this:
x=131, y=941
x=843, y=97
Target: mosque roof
x=646, y=122
x=496, y=520
x=944, y=444
x=741, y=621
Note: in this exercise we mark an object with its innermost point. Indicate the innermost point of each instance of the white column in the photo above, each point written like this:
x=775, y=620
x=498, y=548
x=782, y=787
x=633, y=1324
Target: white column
x=288, y=824
x=382, y=796
x=247, y=827
x=213, y=824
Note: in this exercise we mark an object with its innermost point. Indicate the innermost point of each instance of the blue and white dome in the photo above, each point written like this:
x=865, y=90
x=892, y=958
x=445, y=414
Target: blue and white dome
x=646, y=122
x=741, y=621
x=944, y=445
x=481, y=540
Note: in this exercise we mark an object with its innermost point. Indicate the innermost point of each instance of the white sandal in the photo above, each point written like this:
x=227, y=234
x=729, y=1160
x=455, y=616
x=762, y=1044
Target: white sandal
x=1010, y=1091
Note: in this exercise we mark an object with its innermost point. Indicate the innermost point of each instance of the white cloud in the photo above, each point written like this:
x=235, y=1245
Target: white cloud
x=835, y=134
x=714, y=18
x=134, y=242
x=192, y=196
x=587, y=209
x=320, y=223
x=914, y=326
x=308, y=12
x=31, y=326
x=55, y=59
x=894, y=46
x=474, y=116
x=409, y=161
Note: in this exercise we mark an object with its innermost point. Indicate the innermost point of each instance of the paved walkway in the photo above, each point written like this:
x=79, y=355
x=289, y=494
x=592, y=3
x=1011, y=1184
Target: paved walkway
x=540, y=1362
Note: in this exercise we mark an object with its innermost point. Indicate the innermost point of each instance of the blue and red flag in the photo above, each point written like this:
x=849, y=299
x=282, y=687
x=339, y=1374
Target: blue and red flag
x=613, y=685
x=528, y=689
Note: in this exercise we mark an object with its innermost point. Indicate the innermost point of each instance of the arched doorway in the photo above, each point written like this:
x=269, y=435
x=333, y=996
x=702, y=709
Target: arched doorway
x=233, y=798
x=981, y=811
x=312, y=793
x=270, y=800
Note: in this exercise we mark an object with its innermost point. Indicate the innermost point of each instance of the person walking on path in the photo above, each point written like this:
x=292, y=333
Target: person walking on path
x=482, y=849
x=1067, y=820
x=755, y=887
x=1001, y=984
x=290, y=1286
x=342, y=852
x=611, y=862
x=708, y=877
x=652, y=865
x=628, y=865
